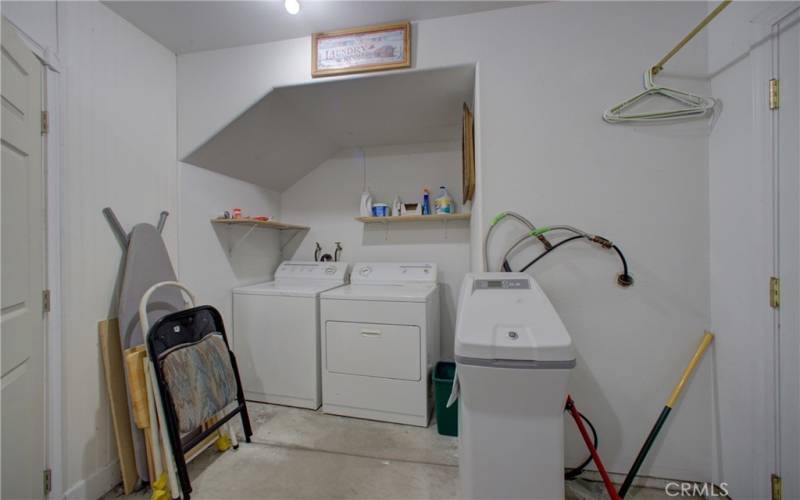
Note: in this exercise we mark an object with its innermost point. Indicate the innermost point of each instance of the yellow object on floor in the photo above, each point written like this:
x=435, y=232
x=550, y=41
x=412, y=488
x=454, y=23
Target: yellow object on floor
x=160, y=489
x=223, y=443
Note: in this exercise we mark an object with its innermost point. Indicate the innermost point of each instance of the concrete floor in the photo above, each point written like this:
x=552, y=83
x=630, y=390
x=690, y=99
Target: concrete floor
x=303, y=454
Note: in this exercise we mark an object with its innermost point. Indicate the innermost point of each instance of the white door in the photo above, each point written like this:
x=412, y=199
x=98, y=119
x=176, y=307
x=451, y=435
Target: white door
x=22, y=242
x=786, y=69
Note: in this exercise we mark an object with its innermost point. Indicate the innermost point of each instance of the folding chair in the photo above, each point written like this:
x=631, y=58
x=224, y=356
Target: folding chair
x=197, y=379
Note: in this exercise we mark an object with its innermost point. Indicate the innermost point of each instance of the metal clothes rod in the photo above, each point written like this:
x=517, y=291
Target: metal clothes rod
x=660, y=64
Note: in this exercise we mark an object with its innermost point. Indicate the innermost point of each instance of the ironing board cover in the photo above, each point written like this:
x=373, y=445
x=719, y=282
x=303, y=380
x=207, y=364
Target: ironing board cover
x=146, y=263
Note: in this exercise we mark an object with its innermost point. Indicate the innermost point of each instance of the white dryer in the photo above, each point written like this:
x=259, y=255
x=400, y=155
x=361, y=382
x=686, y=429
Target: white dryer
x=380, y=339
x=276, y=333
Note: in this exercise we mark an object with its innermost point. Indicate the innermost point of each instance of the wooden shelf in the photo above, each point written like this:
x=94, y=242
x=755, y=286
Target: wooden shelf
x=258, y=223
x=413, y=218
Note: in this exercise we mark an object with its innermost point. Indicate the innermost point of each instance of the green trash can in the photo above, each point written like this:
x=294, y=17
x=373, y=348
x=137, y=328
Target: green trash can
x=446, y=418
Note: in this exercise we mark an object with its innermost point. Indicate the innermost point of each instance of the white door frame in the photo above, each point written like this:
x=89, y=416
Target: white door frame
x=785, y=233
x=52, y=90
x=762, y=35
x=52, y=161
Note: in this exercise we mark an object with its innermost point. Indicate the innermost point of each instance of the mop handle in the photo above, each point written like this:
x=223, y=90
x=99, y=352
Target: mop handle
x=673, y=398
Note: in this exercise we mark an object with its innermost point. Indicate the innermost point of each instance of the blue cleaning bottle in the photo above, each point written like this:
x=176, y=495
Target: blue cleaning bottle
x=426, y=202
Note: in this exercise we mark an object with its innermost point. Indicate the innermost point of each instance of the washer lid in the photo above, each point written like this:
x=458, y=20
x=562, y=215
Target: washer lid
x=504, y=319
x=288, y=288
x=411, y=292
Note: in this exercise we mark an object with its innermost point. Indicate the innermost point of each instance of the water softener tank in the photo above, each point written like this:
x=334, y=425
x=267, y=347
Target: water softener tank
x=513, y=357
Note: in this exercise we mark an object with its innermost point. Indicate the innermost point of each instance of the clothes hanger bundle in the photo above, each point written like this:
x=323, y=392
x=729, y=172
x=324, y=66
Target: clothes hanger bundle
x=692, y=105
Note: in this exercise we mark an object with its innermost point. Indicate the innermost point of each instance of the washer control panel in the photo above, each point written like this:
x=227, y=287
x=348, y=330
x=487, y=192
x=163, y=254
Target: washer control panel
x=312, y=270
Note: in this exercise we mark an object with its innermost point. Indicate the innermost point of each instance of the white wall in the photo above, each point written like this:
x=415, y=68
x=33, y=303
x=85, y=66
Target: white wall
x=546, y=73
x=544, y=152
x=119, y=151
x=36, y=20
x=328, y=198
x=118, y=102
x=206, y=264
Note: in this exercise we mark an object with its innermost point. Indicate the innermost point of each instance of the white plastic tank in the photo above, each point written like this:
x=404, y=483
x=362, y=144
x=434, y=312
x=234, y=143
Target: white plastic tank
x=513, y=357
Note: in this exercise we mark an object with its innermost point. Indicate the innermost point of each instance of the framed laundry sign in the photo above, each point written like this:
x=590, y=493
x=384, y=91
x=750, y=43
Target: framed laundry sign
x=357, y=50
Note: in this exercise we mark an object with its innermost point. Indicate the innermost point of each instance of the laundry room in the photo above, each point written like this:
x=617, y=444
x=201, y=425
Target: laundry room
x=386, y=249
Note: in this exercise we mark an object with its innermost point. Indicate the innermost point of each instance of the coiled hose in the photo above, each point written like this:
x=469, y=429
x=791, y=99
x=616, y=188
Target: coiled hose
x=624, y=279
x=493, y=224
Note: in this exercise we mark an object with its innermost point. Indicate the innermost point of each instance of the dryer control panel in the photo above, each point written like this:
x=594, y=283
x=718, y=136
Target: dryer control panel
x=334, y=271
x=394, y=272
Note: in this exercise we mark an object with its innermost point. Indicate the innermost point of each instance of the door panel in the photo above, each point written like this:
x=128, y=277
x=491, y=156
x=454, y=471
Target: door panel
x=21, y=315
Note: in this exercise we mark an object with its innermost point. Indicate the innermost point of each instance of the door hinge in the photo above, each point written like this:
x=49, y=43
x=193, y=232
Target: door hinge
x=777, y=487
x=48, y=481
x=774, y=94
x=774, y=292
x=46, y=301
x=45, y=122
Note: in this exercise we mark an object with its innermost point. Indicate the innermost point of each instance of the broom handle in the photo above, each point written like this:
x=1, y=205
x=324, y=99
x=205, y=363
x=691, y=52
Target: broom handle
x=673, y=398
x=687, y=373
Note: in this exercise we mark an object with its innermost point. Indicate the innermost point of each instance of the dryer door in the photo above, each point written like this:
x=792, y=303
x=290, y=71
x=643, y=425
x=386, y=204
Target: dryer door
x=373, y=350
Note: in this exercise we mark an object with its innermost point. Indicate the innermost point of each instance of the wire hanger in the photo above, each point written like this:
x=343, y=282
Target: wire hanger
x=693, y=105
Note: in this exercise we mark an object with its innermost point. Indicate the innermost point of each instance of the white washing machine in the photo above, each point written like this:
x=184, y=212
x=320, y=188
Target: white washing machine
x=380, y=340
x=514, y=357
x=276, y=333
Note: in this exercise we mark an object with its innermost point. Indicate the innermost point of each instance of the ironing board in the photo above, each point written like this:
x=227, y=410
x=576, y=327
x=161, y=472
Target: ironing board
x=146, y=263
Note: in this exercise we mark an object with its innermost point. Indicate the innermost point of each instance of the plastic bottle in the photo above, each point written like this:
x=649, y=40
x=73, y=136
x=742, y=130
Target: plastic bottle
x=426, y=202
x=397, y=206
x=444, y=203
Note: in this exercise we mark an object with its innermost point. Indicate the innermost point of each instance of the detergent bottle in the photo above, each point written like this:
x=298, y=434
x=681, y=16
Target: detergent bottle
x=444, y=203
x=426, y=202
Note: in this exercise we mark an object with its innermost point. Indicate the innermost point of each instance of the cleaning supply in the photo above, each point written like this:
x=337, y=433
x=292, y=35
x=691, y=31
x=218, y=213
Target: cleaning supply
x=444, y=203
x=412, y=208
x=380, y=210
x=397, y=206
x=366, y=203
x=426, y=202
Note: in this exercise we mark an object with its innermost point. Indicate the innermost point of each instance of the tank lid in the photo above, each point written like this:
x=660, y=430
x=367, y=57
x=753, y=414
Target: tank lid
x=507, y=317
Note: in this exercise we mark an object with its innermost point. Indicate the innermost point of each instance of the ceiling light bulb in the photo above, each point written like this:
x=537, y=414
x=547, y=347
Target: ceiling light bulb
x=292, y=6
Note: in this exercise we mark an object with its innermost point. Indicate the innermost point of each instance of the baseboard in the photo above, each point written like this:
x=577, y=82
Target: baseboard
x=659, y=483
x=642, y=481
x=96, y=485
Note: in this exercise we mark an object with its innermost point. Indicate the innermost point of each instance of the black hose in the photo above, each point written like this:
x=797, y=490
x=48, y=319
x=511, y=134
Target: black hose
x=622, y=258
x=577, y=471
x=623, y=279
x=534, y=261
